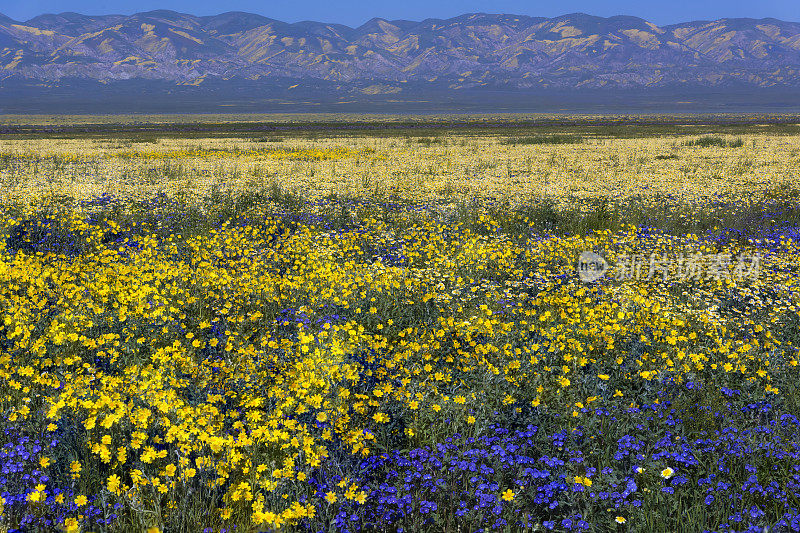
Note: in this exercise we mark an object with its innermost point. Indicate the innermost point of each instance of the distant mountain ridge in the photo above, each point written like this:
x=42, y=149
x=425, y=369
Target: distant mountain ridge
x=512, y=52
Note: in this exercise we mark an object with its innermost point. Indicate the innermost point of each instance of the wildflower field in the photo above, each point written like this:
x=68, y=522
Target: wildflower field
x=388, y=333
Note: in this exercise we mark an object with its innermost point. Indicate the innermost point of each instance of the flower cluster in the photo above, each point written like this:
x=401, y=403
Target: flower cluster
x=265, y=359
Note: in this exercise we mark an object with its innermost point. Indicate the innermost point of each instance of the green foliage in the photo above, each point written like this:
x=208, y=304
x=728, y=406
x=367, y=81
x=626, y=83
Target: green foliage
x=715, y=140
x=428, y=141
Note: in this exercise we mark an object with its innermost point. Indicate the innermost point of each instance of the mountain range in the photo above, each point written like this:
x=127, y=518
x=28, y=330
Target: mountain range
x=389, y=57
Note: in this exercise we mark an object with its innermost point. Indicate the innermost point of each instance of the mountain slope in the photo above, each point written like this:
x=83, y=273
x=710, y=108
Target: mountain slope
x=468, y=51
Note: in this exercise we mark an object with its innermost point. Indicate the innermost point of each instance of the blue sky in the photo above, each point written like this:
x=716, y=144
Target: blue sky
x=354, y=13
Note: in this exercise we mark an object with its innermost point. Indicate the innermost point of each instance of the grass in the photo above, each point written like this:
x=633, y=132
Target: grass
x=544, y=139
